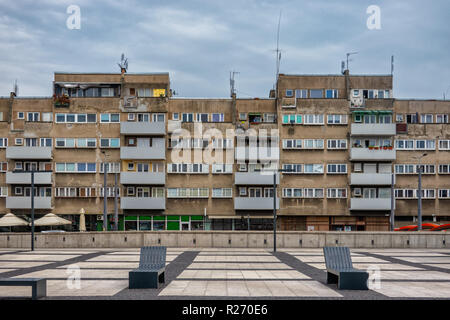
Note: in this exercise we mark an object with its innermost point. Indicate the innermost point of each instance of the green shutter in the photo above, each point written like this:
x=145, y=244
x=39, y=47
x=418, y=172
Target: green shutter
x=173, y=225
x=196, y=218
x=159, y=218
x=185, y=218
x=175, y=218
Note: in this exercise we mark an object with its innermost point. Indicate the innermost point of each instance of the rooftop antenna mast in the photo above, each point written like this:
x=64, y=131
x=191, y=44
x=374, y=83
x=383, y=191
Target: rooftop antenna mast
x=392, y=65
x=16, y=88
x=123, y=65
x=232, y=87
x=348, y=55
x=278, y=57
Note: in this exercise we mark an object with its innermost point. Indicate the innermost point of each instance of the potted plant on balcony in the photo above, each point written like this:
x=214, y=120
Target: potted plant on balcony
x=390, y=147
x=61, y=100
x=371, y=147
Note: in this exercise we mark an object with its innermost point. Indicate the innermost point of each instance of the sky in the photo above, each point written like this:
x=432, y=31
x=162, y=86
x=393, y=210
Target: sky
x=200, y=41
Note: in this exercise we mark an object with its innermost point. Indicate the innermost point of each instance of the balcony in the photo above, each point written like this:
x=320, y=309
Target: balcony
x=373, y=129
x=370, y=204
x=143, y=128
x=247, y=203
x=371, y=179
x=141, y=203
x=143, y=178
x=255, y=178
x=25, y=178
x=25, y=202
x=29, y=153
x=372, y=155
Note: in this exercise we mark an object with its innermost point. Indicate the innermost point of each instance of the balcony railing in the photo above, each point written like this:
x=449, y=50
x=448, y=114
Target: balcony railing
x=255, y=178
x=25, y=202
x=371, y=179
x=143, y=178
x=373, y=129
x=25, y=178
x=370, y=204
x=141, y=203
x=143, y=128
x=250, y=203
x=29, y=153
x=372, y=154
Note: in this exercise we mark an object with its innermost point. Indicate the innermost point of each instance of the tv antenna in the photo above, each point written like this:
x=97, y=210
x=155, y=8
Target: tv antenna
x=16, y=88
x=392, y=65
x=278, y=57
x=348, y=55
x=232, y=83
x=123, y=65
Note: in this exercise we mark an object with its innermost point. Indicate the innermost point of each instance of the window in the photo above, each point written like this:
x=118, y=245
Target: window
x=81, y=118
x=337, y=119
x=289, y=93
x=316, y=93
x=313, y=144
x=331, y=93
x=444, y=144
x=426, y=118
x=270, y=117
x=444, y=193
x=444, y=168
x=175, y=116
x=46, y=142
x=242, y=116
x=187, y=117
x=404, y=168
x=111, y=167
x=335, y=193
x=47, y=116
x=385, y=118
x=86, y=143
x=3, y=191
x=31, y=142
x=65, y=142
x=313, y=193
x=293, y=168
x=3, y=166
x=217, y=117
x=399, y=118
x=3, y=142
x=336, y=168
x=404, y=193
x=188, y=168
x=20, y=115
x=110, y=143
x=292, y=119
x=107, y=92
x=145, y=92
x=426, y=168
x=19, y=141
x=442, y=118
x=222, y=193
x=33, y=116
x=292, y=193
x=201, y=117
x=313, y=119
x=336, y=144
x=292, y=144
x=313, y=168
x=301, y=93
x=81, y=167
x=158, y=117
x=222, y=168
x=109, y=118
x=187, y=192
x=405, y=144
x=425, y=145
x=411, y=118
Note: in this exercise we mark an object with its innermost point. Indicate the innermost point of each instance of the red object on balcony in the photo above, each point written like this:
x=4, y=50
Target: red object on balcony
x=402, y=127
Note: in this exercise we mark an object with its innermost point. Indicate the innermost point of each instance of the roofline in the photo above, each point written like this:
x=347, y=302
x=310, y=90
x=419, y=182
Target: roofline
x=112, y=73
x=334, y=75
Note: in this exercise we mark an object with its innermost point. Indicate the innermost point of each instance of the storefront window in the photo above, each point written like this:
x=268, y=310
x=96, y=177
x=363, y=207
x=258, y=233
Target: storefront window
x=130, y=225
x=145, y=225
x=158, y=225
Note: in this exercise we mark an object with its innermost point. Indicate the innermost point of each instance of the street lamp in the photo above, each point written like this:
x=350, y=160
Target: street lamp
x=419, y=205
x=105, y=215
x=275, y=204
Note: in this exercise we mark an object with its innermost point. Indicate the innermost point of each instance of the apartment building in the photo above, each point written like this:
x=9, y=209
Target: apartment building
x=204, y=163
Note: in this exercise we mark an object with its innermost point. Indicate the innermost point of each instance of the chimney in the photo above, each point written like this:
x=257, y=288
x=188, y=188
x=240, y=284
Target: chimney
x=11, y=101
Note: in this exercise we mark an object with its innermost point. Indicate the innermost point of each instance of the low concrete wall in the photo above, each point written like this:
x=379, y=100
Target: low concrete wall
x=227, y=239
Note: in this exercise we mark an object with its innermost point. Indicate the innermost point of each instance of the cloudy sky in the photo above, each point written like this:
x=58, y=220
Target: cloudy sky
x=200, y=41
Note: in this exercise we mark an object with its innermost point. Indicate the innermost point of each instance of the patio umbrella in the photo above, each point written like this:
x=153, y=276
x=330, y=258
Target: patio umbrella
x=10, y=220
x=51, y=219
x=82, y=220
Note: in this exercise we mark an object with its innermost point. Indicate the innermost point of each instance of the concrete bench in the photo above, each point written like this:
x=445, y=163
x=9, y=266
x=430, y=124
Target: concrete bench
x=151, y=271
x=340, y=269
x=38, y=285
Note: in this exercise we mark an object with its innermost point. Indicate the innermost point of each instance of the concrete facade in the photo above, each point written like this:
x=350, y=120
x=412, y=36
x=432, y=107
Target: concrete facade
x=344, y=134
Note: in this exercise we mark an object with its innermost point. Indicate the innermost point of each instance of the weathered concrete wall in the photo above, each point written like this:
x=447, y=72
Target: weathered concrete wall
x=228, y=239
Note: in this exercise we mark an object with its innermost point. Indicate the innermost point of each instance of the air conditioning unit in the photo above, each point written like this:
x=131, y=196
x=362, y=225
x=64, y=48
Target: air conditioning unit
x=357, y=192
x=100, y=217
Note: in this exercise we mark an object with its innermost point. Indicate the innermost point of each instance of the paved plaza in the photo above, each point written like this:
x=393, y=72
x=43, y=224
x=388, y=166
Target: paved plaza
x=215, y=273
